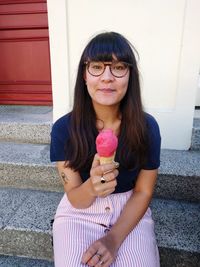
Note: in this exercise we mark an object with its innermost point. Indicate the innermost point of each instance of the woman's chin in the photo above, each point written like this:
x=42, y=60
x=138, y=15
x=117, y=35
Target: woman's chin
x=106, y=102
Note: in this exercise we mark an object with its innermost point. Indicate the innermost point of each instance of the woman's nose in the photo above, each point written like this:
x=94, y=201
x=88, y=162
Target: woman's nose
x=107, y=75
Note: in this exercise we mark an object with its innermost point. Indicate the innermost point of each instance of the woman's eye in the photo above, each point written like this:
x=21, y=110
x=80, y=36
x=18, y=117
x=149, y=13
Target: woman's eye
x=96, y=66
x=120, y=67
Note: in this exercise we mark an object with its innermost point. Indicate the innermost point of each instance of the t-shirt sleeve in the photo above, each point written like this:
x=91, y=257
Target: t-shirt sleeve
x=59, y=136
x=153, y=158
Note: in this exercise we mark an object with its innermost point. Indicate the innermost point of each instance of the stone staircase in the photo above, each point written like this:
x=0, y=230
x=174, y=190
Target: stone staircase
x=30, y=191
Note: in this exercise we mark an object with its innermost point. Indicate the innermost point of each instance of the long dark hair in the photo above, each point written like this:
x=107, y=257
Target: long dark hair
x=132, y=148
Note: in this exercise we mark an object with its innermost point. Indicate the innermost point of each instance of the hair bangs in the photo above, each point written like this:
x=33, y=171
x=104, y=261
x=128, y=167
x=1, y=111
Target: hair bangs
x=106, y=47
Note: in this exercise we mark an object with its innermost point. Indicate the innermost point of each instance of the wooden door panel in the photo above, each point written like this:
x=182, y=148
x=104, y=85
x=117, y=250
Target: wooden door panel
x=19, y=58
x=24, y=53
x=23, y=21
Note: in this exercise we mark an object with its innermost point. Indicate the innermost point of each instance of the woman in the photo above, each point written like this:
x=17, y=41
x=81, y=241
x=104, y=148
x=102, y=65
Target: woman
x=106, y=224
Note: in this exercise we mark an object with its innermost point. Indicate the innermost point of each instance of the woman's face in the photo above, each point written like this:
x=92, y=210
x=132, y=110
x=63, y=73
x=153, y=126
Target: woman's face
x=106, y=89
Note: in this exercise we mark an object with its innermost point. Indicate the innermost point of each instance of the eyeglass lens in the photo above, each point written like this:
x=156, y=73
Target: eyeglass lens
x=118, y=69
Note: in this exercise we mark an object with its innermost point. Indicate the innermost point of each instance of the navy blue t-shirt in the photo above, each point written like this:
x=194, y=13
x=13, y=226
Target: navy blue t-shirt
x=126, y=178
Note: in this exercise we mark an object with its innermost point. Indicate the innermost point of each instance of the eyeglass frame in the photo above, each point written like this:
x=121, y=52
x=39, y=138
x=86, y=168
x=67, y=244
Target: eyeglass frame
x=107, y=64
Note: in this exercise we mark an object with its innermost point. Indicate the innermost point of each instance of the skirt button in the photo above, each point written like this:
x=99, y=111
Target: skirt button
x=107, y=209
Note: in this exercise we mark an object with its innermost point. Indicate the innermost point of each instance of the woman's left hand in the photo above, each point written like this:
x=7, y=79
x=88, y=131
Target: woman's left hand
x=101, y=253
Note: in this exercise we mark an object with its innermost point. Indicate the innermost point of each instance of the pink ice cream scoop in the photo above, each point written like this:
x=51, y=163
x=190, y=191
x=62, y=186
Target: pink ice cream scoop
x=106, y=145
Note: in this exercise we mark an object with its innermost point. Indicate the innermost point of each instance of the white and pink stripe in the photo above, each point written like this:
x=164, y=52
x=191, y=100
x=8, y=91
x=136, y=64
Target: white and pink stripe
x=75, y=229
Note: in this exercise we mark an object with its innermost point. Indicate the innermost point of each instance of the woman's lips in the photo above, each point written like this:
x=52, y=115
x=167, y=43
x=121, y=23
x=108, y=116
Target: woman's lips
x=107, y=90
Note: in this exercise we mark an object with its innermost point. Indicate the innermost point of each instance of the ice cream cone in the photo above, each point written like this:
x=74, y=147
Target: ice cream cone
x=106, y=160
x=106, y=145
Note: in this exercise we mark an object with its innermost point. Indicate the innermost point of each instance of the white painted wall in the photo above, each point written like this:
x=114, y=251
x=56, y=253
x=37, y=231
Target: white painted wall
x=57, y=20
x=167, y=37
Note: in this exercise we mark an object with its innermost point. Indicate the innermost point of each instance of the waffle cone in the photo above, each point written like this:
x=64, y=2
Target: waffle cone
x=106, y=160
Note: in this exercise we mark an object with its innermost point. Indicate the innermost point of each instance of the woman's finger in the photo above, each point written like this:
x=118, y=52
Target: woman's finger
x=96, y=161
x=89, y=253
x=111, y=175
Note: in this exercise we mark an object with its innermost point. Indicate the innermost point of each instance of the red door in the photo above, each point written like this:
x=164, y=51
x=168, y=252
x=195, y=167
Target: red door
x=25, y=77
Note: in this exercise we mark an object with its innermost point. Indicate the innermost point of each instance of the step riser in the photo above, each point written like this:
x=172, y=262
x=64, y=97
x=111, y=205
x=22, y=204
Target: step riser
x=30, y=177
x=25, y=227
x=195, y=144
x=40, y=134
x=166, y=258
x=25, y=133
x=24, y=243
x=46, y=178
x=39, y=246
x=178, y=188
x=13, y=261
x=175, y=258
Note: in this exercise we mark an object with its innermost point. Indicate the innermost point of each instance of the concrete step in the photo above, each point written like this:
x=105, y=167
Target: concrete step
x=179, y=175
x=195, y=140
x=175, y=258
x=183, y=259
x=11, y=261
x=25, y=217
x=30, y=124
x=177, y=232
x=177, y=224
x=195, y=144
x=28, y=166
x=25, y=226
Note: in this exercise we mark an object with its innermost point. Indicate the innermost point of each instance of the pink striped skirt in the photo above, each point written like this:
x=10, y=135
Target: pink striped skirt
x=74, y=230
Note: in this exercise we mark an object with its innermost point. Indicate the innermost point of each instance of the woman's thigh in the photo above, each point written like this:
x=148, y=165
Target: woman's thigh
x=75, y=230
x=139, y=249
x=71, y=239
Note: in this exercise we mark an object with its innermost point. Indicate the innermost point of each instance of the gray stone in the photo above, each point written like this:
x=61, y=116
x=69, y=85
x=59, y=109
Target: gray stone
x=24, y=153
x=180, y=163
x=196, y=122
x=195, y=141
x=26, y=226
x=36, y=212
x=179, y=175
x=26, y=230
x=178, y=187
x=36, y=114
x=30, y=124
x=26, y=132
x=177, y=224
x=178, y=258
x=8, y=261
x=28, y=166
x=10, y=202
x=26, y=243
x=30, y=177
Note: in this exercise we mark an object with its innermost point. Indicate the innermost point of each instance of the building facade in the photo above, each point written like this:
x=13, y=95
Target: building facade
x=165, y=33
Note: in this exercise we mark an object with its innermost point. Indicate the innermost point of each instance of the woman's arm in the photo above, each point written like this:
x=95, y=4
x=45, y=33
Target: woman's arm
x=135, y=207
x=82, y=195
x=79, y=194
x=133, y=211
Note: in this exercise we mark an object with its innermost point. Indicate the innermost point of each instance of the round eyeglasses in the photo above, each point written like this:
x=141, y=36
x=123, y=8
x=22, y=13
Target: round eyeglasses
x=118, y=68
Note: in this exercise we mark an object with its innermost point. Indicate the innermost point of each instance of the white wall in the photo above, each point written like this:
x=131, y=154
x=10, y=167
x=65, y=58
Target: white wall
x=167, y=37
x=57, y=20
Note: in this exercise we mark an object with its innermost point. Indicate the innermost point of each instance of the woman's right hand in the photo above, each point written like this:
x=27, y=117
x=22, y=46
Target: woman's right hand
x=109, y=172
